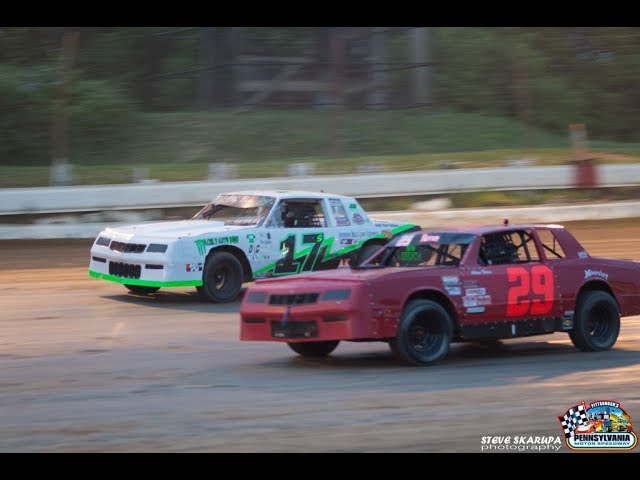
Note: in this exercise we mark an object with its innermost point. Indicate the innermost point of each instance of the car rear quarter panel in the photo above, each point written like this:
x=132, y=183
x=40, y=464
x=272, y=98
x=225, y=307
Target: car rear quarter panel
x=621, y=277
x=624, y=278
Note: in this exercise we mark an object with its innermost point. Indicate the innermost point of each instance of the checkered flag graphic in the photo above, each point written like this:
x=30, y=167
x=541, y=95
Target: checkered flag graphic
x=574, y=417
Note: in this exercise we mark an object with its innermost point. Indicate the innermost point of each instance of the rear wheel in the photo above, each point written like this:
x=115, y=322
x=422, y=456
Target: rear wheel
x=597, y=322
x=140, y=290
x=314, y=349
x=424, y=333
x=222, y=278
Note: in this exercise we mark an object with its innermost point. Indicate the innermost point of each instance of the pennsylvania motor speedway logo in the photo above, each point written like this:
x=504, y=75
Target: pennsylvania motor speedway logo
x=603, y=425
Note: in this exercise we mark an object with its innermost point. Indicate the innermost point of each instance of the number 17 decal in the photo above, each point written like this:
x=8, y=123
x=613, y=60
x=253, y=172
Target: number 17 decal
x=522, y=283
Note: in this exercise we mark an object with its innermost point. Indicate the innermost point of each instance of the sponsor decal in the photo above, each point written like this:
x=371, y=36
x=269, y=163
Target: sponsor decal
x=429, y=238
x=481, y=271
x=339, y=212
x=567, y=320
x=602, y=425
x=475, y=310
x=595, y=273
x=470, y=292
x=410, y=255
x=210, y=242
x=404, y=240
x=358, y=234
x=453, y=290
x=451, y=280
x=194, y=267
x=583, y=254
x=347, y=241
x=387, y=233
x=251, y=237
x=357, y=219
x=386, y=224
x=470, y=283
x=353, y=206
x=476, y=300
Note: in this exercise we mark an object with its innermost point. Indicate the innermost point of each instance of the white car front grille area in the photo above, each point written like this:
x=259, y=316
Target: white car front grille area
x=128, y=260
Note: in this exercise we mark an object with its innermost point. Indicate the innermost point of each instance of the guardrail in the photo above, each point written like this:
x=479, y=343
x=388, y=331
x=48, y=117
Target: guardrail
x=424, y=218
x=19, y=201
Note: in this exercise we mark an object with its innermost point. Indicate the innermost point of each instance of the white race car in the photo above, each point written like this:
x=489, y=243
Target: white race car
x=237, y=238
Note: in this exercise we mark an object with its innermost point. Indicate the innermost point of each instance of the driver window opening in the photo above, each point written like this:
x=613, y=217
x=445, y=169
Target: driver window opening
x=300, y=214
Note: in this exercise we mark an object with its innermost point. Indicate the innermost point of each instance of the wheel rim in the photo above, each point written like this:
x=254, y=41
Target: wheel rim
x=425, y=335
x=221, y=277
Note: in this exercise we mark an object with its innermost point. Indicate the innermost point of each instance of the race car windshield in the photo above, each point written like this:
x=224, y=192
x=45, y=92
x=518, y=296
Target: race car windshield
x=422, y=250
x=237, y=209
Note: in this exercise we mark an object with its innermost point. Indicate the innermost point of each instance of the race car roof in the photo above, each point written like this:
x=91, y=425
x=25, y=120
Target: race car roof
x=288, y=194
x=484, y=229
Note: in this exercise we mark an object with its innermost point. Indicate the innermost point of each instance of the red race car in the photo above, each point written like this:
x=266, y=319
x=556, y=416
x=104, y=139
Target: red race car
x=427, y=289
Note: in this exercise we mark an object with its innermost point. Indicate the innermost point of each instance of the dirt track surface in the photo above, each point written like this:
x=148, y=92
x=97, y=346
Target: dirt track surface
x=86, y=367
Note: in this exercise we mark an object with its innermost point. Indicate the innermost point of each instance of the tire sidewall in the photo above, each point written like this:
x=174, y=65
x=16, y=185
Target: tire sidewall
x=235, y=278
x=402, y=344
x=580, y=335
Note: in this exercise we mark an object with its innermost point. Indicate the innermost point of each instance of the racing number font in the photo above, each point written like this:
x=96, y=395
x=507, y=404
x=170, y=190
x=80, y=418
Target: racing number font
x=305, y=262
x=539, y=282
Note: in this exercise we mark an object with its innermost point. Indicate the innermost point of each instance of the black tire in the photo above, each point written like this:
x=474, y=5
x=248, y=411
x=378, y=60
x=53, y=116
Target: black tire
x=393, y=346
x=222, y=278
x=596, y=323
x=364, y=252
x=424, y=333
x=140, y=290
x=314, y=349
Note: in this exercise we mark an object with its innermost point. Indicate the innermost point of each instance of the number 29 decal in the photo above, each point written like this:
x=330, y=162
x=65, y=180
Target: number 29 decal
x=522, y=284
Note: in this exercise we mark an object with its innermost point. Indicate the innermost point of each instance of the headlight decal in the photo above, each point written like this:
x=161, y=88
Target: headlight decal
x=156, y=248
x=257, y=297
x=334, y=295
x=103, y=241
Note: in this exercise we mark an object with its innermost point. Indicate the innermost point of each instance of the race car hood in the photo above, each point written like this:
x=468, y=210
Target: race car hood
x=173, y=230
x=344, y=274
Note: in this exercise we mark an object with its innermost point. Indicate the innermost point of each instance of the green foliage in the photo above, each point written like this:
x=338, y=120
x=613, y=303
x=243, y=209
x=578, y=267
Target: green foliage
x=102, y=121
x=25, y=123
x=557, y=104
x=493, y=89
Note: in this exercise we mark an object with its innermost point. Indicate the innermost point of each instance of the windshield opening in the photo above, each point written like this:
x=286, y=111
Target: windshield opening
x=421, y=250
x=237, y=209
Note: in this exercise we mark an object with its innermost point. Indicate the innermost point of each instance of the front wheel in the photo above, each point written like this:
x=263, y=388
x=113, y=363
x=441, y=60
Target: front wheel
x=222, y=278
x=314, y=349
x=140, y=290
x=424, y=333
x=597, y=322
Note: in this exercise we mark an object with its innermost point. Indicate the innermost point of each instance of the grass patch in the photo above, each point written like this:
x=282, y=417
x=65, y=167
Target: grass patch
x=260, y=144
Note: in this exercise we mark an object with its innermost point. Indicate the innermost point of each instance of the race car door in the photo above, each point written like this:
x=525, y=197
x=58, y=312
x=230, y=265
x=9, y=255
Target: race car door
x=301, y=235
x=510, y=282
